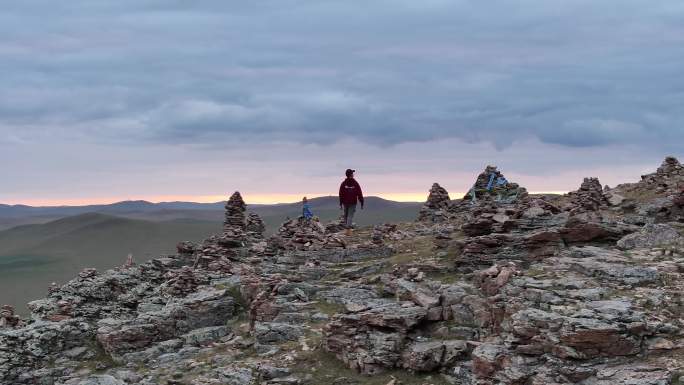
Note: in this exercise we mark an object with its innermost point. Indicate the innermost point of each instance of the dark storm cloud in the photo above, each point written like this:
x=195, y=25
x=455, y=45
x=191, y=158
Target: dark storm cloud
x=574, y=73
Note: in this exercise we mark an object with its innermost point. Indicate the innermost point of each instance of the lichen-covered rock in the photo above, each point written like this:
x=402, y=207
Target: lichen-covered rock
x=209, y=307
x=651, y=235
x=274, y=332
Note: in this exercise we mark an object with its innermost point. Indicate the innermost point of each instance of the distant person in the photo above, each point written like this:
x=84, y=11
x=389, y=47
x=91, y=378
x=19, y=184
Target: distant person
x=350, y=194
x=306, y=209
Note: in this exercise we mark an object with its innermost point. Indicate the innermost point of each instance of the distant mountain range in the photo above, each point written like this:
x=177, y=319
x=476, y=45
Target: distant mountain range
x=326, y=208
x=39, y=245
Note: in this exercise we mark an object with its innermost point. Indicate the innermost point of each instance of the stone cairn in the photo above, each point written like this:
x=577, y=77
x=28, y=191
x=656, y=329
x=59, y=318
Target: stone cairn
x=492, y=185
x=380, y=232
x=436, y=208
x=8, y=319
x=255, y=225
x=88, y=273
x=235, y=222
x=239, y=233
x=589, y=197
x=669, y=178
x=303, y=234
x=181, y=282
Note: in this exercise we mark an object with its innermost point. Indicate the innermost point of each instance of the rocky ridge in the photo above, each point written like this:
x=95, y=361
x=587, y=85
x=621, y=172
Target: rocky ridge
x=507, y=288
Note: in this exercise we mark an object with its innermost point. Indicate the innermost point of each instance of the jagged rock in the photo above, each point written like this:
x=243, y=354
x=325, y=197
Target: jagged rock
x=235, y=376
x=579, y=231
x=371, y=341
x=363, y=270
x=651, y=235
x=210, y=307
x=487, y=359
x=494, y=278
x=428, y=356
x=206, y=335
x=101, y=380
x=615, y=199
x=30, y=346
x=186, y=248
x=274, y=332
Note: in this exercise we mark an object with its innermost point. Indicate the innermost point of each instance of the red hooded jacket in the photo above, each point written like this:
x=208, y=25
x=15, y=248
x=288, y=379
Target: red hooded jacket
x=350, y=191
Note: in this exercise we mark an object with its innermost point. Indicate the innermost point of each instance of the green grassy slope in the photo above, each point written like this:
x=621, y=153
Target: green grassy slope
x=32, y=256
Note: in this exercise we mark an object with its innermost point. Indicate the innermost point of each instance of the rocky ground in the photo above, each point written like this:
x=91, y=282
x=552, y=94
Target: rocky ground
x=505, y=288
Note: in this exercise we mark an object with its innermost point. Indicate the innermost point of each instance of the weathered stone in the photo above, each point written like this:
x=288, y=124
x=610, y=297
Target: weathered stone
x=436, y=208
x=651, y=235
x=273, y=332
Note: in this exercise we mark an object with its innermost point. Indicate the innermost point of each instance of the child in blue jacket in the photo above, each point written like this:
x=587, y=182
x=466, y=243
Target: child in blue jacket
x=306, y=209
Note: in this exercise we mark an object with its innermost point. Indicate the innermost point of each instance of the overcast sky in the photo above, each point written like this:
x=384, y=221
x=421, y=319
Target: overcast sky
x=160, y=100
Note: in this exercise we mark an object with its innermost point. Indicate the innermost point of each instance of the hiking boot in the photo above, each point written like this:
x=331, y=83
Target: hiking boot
x=348, y=232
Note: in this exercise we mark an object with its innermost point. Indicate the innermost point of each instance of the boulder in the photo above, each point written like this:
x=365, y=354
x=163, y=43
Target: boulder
x=274, y=332
x=209, y=307
x=651, y=235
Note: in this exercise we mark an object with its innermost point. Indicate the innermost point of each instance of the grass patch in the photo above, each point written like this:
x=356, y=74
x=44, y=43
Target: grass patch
x=329, y=308
x=321, y=367
x=419, y=247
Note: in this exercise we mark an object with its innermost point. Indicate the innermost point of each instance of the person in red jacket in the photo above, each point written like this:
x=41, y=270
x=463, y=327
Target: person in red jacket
x=350, y=194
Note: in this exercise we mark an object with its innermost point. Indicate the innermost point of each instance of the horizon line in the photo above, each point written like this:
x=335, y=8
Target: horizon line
x=254, y=199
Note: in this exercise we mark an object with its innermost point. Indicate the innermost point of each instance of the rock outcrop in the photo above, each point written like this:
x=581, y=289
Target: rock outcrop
x=509, y=289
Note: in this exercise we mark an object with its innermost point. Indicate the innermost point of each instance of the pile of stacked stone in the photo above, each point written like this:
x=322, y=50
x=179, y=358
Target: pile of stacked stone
x=235, y=221
x=436, y=208
x=335, y=226
x=658, y=196
x=668, y=178
x=255, y=225
x=492, y=185
x=240, y=231
x=88, y=273
x=489, y=218
x=382, y=232
x=589, y=197
x=8, y=319
x=304, y=235
x=186, y=248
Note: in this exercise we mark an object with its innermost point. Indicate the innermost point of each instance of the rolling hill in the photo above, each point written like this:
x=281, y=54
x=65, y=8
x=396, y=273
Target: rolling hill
x=32, y=256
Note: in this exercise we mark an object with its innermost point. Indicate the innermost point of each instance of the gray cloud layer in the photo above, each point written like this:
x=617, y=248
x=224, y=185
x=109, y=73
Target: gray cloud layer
x=575, y=73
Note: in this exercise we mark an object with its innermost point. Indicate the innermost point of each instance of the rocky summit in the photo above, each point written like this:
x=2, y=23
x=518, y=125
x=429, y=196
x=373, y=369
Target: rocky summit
x=500, y=287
